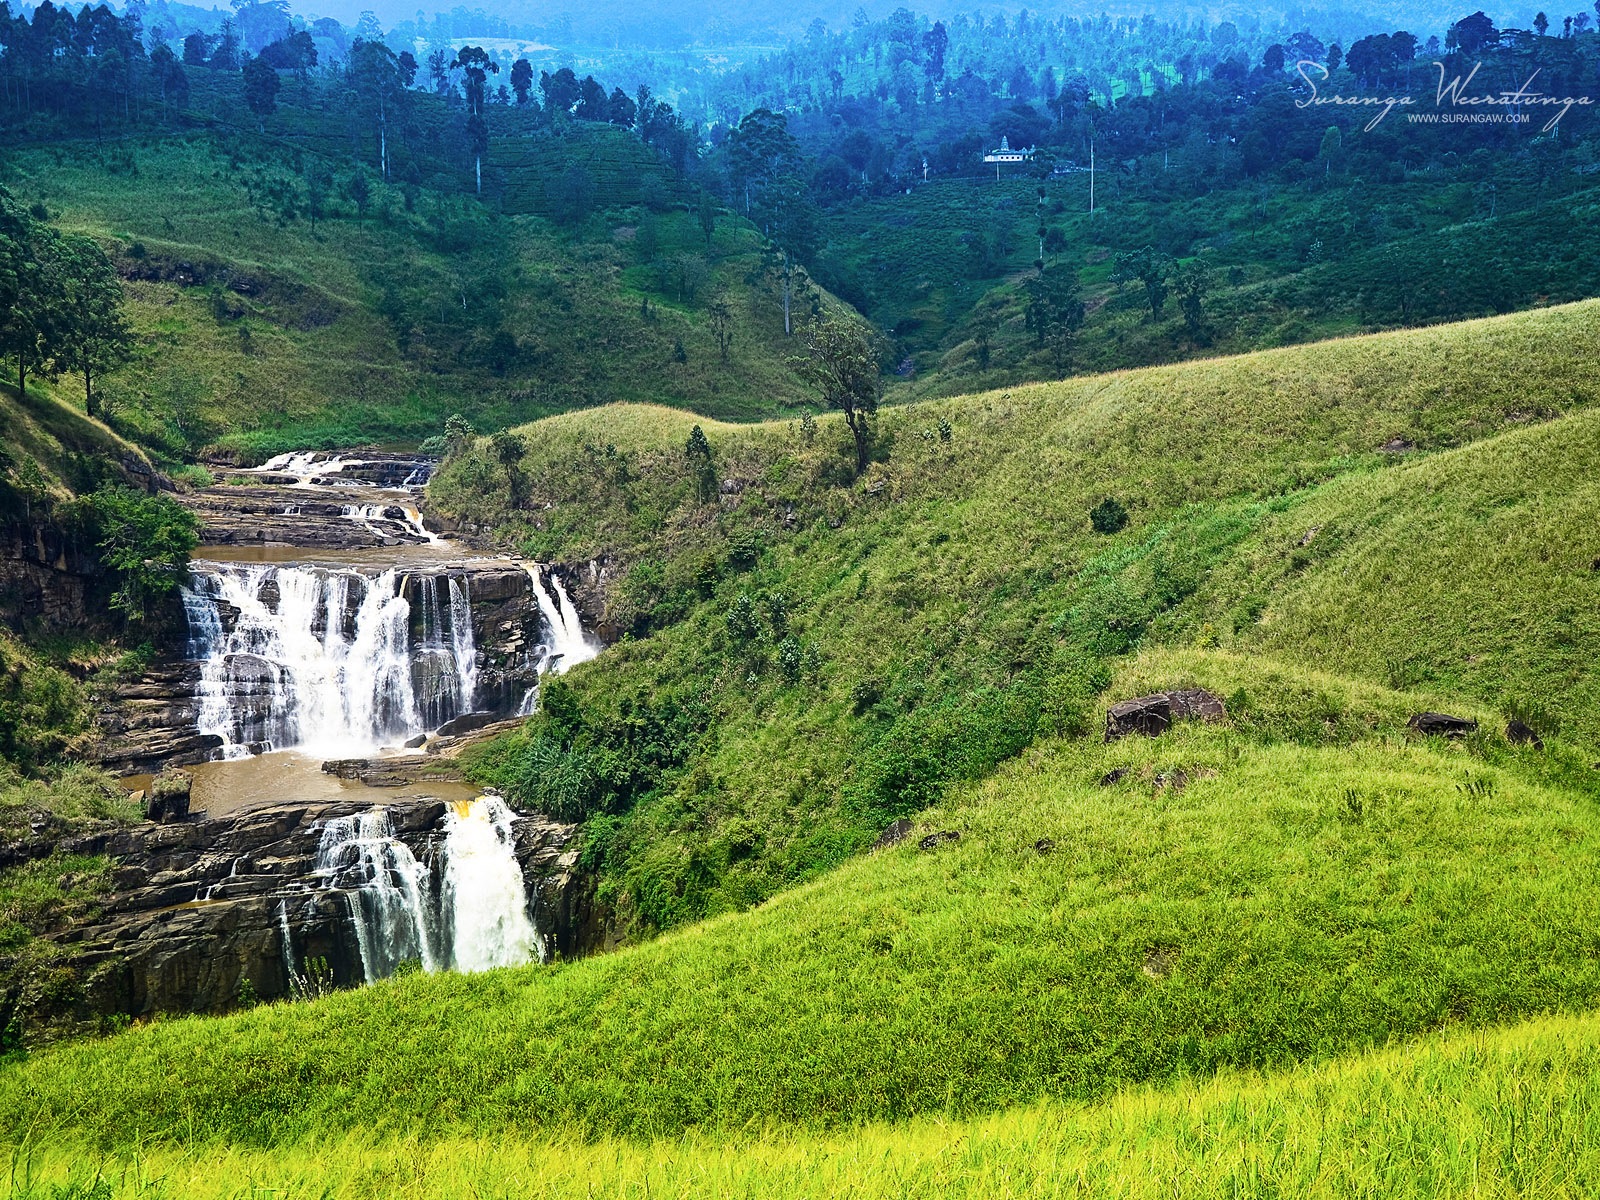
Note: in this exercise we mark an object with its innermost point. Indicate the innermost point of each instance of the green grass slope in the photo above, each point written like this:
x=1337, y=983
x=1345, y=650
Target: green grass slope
x=1499, y=1113
x=1321, y=885
x=262, y=330
x=817, y=657
x=1475, y=571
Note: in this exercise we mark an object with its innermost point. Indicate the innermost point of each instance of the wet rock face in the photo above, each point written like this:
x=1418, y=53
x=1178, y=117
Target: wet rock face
x=44, y=577
x=197, y=919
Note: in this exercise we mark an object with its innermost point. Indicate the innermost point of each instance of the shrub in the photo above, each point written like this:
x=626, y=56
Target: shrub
x=144, y=542
x=1109, y=516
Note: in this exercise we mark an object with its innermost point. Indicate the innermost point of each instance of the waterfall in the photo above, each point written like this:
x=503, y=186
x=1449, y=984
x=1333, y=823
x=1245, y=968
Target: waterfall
x=569, y=645
x=323, y=658
x=484, y=893
x=390, y=897
x=475, y=918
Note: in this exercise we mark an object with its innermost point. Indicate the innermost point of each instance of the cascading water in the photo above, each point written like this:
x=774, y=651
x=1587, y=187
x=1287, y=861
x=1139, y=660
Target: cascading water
x=567, y=644
x=324, y=659
x=470, y=916
x=485, y=898
x=391, y=893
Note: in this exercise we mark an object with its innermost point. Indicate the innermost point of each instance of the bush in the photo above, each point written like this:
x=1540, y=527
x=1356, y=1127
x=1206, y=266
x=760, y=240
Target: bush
x=1109, y=516
x=145, y=542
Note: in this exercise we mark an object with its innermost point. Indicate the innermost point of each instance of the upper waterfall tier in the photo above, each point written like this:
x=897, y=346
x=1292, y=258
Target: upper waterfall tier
x=336, y=661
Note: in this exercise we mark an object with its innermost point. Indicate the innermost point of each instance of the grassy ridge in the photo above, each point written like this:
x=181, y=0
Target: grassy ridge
x=1305, y=895
x=959, y=586
x=1473, y=572
x=1513, y=1112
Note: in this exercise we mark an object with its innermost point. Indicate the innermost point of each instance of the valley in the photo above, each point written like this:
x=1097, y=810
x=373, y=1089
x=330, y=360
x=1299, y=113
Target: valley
x=904, y=604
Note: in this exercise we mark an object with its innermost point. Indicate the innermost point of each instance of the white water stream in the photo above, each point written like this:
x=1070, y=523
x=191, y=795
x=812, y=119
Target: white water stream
x=470, y=915
x=324, y=659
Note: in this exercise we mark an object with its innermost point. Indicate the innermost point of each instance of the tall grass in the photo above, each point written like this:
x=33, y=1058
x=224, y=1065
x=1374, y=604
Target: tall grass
x=1503, y=1113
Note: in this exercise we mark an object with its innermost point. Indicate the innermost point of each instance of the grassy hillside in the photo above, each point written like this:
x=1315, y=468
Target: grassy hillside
x=1320, y=885
x=809, y=658
x=262, y=328
x=1503, y=1113
x=1058, y=978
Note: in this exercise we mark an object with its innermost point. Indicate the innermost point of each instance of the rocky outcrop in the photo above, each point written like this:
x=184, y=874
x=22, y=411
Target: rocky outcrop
x=1432, y=724
x=149, y=722
x=45, y=577
x=1153, y=715
x=207, y=915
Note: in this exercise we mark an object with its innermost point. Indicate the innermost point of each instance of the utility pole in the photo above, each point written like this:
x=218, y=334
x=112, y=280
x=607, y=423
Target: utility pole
x=1091, y=177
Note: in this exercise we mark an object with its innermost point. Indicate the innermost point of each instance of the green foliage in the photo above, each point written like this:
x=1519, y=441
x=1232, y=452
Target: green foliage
x=1160, y=935
x=1109, y=516
x=697, y=451
x=576, y=758
x=972, y=572
x=43, y=713
x=144, y=541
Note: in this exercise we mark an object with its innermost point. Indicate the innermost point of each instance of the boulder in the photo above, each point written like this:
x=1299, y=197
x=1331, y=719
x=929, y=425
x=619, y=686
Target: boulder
x=1153, y=715
x=934, y=840
x=1432, y=724
x=169, y=797
x=1519, y=734
x=1150, y=716
x=400, y=771
x=467, y=723
x=893, y=835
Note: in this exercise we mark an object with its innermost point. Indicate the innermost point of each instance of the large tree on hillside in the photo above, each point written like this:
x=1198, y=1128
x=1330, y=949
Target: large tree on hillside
x=769, y=173
x=30, y=289
x=476, y=66
x=1055, y=312
x=261, y=86
x=92, y=334
x=374, y=73
x=522, y=79
x=841, y=366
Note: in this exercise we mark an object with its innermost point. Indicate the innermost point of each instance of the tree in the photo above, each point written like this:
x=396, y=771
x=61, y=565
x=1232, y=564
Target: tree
x=1472, y=34
x=706, y=211
x=476, y=67
x=1055, y=312
x=92, y=334
x=1192, y=281
x=769, y=171
x=1332, y=143
x=374, y=73
x=458, y=434
x=560, y=90
x=145, y=542
x=1541, y=24
x=478, y=146
x=721, y=324
x=509, y=452
x=593, y=103
x=841, y=366
x=31, y=294
x=621, y=110
x=702, y=467
x=261, y=90
x=1151, y=268
x=522, y=79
